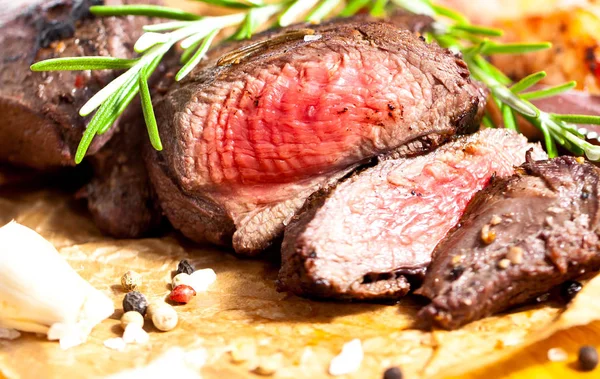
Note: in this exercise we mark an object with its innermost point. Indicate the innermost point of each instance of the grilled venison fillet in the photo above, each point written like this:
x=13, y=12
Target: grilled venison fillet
x=251, y=135
x=41, y=126
x=518, y=238
x=373, y=235
x=120, y=197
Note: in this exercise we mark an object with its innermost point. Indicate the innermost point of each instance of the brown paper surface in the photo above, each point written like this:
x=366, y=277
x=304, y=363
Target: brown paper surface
x=243, y=308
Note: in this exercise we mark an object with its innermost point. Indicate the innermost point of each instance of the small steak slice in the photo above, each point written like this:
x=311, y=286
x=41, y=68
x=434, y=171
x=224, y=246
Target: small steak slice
x=247, y=139
x=374, y=231
x=41, y=126
x=518, y=238
x=120, y=197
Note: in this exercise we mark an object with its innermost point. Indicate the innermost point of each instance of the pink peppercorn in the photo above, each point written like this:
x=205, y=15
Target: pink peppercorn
x=182, y=294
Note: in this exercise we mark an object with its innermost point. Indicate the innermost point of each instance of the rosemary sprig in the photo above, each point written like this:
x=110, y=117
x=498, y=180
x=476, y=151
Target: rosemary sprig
x=454, y=31
x=196, y=34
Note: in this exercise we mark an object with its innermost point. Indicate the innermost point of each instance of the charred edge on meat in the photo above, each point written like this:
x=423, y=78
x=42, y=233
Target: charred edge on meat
x=548, y=235
x=50, y=30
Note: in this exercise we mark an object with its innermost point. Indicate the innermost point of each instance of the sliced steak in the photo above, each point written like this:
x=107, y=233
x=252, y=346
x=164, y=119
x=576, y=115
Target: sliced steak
x=41, y=127
x=376, y=230
x=120, y=197
x=248, y=138
x=518, y=238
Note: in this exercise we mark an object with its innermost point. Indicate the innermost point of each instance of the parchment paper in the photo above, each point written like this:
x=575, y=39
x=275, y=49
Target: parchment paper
x=243, y=309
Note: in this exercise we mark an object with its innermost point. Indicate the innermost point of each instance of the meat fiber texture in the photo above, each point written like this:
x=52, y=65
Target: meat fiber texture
x=375, y=232
x=545, y=225
x=41, y=127
x=251, y=135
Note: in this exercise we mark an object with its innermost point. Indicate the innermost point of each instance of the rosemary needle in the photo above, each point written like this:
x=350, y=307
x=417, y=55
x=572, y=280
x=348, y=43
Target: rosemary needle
x=455, y=31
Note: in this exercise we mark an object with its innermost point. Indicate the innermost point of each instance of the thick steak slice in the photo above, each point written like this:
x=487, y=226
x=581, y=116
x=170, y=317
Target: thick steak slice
x=376, y=230
x=41, y=127
x=518, y=238
x=248, y=139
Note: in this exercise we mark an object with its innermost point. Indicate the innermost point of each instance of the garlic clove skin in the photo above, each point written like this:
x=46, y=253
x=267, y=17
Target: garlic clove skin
x=38, y=288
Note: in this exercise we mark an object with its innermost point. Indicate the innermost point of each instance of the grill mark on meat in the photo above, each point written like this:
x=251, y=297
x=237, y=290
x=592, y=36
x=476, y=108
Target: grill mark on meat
x=384, y=223
x=550, y=250
x=259, y=163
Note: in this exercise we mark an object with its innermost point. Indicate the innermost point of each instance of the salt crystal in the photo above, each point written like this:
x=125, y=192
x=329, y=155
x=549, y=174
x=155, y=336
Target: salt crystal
x=135, y=334
x=306, y=355
x=312, y=37
x=243, y=352
x=115, y=343
x=9, y=334
x=175, y=363
x=268, y=366
x=349, y=360
x=69, y=335
x=557, y=354
x=510, y=340
x=200, y=280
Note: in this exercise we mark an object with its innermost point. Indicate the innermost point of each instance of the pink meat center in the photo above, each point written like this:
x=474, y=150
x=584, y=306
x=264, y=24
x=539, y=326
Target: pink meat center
x=303, y=119
x=430, y=202
x=396, y=215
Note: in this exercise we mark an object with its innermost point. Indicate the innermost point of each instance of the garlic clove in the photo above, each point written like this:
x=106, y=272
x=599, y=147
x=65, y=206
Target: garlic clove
x=23, y=325
x=39, y=289
x=202, y=279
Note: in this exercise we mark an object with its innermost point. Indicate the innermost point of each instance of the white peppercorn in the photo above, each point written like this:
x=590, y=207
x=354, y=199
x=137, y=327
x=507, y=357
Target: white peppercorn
x=164, y=317
x=180, y=279
x=132, y=318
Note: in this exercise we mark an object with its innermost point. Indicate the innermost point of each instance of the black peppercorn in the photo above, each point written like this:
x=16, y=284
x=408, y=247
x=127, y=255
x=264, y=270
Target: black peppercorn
x=185, y=267
x=456, y=272
x=588, y=358
x=135, y=301
x=569, y=289
x=393, y=373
